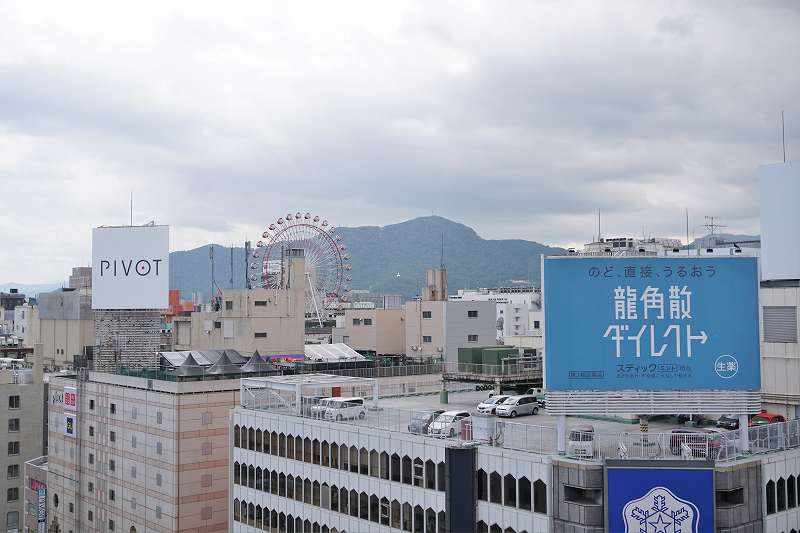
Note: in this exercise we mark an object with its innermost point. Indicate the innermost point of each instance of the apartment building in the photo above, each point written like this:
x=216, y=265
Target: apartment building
x=437, y=329
x=135, y=454
x=271, y=321
x=64, y=324
x=375, y=331
x=21, y=423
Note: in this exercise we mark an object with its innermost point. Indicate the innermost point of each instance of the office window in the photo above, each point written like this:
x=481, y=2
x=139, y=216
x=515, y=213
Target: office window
x=260, y=334
x=228, y=305
x=113, y=408
x=12, y=521
x=13, y=425
x=133, y=472
x=206, y=418
x=356, y=321
x=158, y=511
x=472, y=338
x=133, y=441
x=427, y=338
x=535, y=324
x=12, y=472
x=367, y=321
x=71, y=506
x=91, y=404
x=12, y=494
x=159, y=418
x=205, y=513
x=13, y=402
x=90, y=487
x=260, y=303
x=205, y=481
x=133, y=503
x=134, y=414
x=112, y=436
x=110, y=525
x=13, y=447
x=346, y=339
x=159, y=448
x=112, y=495
x=206, y=448
x=91, y=458
x=91, y=431
x=472, y=314
x=159, y=479
x=427, y=314
x=112, y=465
x=217, y=325
x=90, y=515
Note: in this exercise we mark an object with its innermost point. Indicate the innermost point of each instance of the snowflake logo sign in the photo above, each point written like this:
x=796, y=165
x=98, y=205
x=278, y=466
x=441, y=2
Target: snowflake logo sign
x=660, y=511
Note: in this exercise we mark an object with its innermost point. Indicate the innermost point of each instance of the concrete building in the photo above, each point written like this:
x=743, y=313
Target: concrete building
x=8, y=302
x=66, y=326
x=139, y=455
x=519, y=312
x=22, y=321
x=81, y=278
x=374, y=331
x=22, y=422
x=628, y=245
x=437, y=329
x=271, y=321
x=35, y=489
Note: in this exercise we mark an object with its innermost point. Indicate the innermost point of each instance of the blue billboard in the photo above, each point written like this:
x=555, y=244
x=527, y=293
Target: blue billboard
x=651, y=323
x=663, y=499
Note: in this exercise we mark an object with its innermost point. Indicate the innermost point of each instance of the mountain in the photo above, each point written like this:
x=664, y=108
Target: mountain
x=380, y=253
x=31, y=289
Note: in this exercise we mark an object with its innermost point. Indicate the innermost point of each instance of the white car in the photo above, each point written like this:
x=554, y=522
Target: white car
x=513, y=406
x=488, y=405
x=345, y=409
x=447, y=424
x=317, y=409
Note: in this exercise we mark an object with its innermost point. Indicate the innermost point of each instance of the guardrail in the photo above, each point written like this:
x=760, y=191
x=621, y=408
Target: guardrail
x=389, y=371
x=530, y=368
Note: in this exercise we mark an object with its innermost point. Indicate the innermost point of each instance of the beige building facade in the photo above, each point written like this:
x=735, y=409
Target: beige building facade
x=437, y=329
x=271, y=321
x=139, y=455
x=63, y=322
x=780, y=349
x=380, y=331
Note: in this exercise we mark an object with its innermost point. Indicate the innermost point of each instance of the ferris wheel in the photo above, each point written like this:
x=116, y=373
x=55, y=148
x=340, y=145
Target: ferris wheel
x=327, y=260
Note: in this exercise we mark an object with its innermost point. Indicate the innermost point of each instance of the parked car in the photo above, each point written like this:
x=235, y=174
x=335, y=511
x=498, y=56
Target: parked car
x=765, y=417
x=703, y=442
x=539, y=393
x=728, y=422
x=345, y=409
x=420, y=420
x=489, y=405
x=311, y=405
x=318, y=409
x=447, y=424
x=581, y=441
x=513, y=406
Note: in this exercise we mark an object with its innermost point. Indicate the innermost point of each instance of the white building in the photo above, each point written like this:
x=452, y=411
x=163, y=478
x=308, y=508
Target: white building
x=519, y=312
x=22, y=316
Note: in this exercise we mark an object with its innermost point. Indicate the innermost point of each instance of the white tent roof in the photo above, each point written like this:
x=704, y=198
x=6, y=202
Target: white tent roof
x=331, y=353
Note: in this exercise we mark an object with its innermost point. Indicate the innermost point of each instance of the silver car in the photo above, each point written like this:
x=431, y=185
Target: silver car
x=524, y=404
x=489, y=405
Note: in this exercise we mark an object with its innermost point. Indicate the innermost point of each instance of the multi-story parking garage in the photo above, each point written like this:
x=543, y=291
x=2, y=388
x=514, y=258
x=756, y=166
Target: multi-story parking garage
x=295, y=473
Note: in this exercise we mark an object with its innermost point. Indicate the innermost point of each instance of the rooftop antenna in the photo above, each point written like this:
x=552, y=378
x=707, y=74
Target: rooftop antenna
x=598, y=224
x=783, y=137
x=687, y=231
x=211, y=257
x=784, y=159
x=711, y=225
x=231, y=265
x=441, y=262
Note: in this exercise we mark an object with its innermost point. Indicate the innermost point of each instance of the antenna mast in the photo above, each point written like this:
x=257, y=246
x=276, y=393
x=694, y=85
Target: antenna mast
x=784, y=159
x=441, y=262
x=598, y=224
x=231, y=266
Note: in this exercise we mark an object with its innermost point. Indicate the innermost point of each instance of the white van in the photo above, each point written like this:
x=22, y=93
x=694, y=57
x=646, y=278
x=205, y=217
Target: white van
x=345, y=409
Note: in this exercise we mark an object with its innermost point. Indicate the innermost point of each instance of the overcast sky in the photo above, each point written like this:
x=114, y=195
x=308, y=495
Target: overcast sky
x=519, y=119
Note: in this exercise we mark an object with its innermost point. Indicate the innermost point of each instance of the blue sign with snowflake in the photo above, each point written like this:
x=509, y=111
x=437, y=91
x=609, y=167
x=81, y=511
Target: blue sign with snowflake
x=660, y=500
x=651, y=323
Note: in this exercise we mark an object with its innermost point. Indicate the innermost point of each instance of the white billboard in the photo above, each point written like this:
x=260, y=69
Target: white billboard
x=130, y=267
x=780, y=218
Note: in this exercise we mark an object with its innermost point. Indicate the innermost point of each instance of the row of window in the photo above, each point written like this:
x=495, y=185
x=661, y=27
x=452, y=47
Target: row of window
x=404, y=469
x=512, y=492
x=357, y=505
x=427, y=339
x=266, y=520
x=429, y=314
x=782, y=495
x=362, y=321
